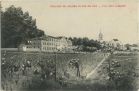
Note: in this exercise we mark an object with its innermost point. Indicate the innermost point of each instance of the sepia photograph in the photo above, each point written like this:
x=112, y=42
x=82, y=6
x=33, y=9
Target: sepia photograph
x=69, y=45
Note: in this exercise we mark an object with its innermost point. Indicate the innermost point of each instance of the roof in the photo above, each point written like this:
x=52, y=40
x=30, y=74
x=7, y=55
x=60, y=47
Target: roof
x=48, y=36
x=115, y=39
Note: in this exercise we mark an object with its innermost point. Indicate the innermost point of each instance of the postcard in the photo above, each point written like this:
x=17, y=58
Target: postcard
x=69, y=45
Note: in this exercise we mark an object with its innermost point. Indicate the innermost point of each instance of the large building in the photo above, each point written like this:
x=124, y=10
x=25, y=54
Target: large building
x=47, y=44
x=116, y=44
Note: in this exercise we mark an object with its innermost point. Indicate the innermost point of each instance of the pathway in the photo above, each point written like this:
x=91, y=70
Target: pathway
x=94, y=70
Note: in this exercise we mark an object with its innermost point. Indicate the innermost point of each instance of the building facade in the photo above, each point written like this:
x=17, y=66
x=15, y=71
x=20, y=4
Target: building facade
x=116, y=44
x=47, y=44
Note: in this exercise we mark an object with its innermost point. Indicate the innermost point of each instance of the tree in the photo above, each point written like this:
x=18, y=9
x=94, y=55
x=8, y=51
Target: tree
x=134, y=45
x=127, y=46
x=85, y=44
x=17, y=27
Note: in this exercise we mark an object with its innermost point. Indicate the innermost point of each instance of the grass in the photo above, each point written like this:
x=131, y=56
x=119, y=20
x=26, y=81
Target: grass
x=53, y=63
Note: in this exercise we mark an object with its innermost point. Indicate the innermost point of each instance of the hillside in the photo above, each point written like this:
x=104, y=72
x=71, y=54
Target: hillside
x=47, y=66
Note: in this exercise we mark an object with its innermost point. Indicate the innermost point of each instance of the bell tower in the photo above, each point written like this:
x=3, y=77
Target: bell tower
x=100, y=36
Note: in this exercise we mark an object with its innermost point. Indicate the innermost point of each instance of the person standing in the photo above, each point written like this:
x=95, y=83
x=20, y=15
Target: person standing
x=75, y=63
x=77, y=67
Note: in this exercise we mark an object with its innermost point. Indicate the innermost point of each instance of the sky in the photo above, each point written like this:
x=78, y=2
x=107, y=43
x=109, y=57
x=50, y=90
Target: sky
x=113, y=22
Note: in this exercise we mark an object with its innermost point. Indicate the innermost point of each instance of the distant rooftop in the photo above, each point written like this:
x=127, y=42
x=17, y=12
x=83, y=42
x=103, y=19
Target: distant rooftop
x=46, y=36
x=115, y=39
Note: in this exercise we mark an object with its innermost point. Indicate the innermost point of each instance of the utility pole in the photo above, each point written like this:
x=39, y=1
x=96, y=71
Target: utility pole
x=0, y=41
x=109, y=69
x=109, y=72
x=55, y=64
